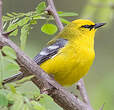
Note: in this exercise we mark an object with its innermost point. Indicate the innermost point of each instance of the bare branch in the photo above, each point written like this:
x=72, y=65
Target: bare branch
x=51, y=9
x=83, y=93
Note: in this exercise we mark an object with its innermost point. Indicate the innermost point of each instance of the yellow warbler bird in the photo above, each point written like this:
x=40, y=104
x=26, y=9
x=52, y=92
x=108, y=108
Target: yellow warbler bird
x=69, y=56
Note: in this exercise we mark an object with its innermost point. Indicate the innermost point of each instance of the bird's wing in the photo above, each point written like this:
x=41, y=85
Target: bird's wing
x=49, y=51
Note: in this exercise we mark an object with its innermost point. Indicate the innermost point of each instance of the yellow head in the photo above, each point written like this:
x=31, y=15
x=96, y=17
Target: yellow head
x=80, y=28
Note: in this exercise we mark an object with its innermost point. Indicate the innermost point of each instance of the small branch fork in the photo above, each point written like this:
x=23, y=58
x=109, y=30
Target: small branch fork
x=83, y=93
x=51, y=10
x=62, y=97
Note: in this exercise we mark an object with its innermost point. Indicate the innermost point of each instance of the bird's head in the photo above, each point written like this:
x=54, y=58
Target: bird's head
x=80, y=28
x=85, y=26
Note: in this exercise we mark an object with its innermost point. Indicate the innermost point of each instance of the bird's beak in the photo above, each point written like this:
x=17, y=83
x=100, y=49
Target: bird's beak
x=97, y=25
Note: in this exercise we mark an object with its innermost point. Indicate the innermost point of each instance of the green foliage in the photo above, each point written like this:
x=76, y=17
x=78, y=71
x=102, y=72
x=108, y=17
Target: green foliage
x=8, y=65
x=41, y=7
x=9, y=52
x=24, y=35
x=28, y=78
x=3, y=99
x=68, y=14
x=20, y=101
x=48, y=103
x=49, y=29
x=24, y=22
x=1, y=67
x=64, y=21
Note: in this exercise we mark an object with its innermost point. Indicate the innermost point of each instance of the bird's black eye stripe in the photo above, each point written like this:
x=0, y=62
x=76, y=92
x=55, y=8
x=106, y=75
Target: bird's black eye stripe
x=88, y=26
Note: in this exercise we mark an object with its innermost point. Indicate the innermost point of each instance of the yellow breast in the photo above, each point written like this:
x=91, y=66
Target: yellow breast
x=70, y=64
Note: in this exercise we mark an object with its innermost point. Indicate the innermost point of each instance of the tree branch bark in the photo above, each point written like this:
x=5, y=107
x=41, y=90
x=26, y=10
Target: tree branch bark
x=52, y=10
x=83, y=93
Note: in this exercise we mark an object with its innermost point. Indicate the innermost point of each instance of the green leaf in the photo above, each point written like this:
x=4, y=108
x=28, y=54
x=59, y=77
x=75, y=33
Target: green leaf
x=3, y=99
x=5, y=18
x=9, y=66
x=1, y=67
x=10, y=60
x=10, y=15
x=9, y=52
x=12, y=88
x=12, y=27
x=60, y=12
x=23, y=21
x=28, y=78
x=49, y=29
x=33, y=21
x=14, y=13
x=37, y=105
x=11, y=96
x=38, y=17
x=64, y=21
x=48, y=103
x=14, y=33
x=67, y=14
x=12, y=68
x=24, y=35
x=18, y=104
x=26, y=107
x=41, y=7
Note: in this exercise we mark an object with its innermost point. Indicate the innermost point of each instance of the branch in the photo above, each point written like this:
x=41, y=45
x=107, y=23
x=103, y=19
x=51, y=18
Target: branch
x=83, y=93
x=51, y=10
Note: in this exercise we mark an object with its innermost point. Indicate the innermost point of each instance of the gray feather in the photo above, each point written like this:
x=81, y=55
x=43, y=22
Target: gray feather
x=49, y=51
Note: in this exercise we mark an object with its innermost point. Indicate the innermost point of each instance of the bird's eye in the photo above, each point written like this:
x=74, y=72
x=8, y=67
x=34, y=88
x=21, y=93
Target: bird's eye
x=88, y=26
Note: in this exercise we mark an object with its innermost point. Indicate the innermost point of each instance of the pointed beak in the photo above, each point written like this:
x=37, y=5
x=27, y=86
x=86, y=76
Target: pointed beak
x=97, y=25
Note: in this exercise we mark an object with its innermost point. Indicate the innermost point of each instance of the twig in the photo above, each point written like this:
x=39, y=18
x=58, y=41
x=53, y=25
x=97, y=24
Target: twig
x=51, y=9
x=83, y=93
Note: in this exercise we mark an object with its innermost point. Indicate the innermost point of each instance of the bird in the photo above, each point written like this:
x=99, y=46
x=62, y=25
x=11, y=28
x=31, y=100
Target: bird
x=70, y=54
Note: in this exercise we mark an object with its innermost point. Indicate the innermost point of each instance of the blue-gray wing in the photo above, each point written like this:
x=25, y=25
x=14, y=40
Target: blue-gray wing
x=49, y=51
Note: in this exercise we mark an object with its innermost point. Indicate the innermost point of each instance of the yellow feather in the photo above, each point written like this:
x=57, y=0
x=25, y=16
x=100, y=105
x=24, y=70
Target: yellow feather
x=74, y=60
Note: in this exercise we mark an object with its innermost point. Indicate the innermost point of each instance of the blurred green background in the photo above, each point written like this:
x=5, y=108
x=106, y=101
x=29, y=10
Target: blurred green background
x=100, y=79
